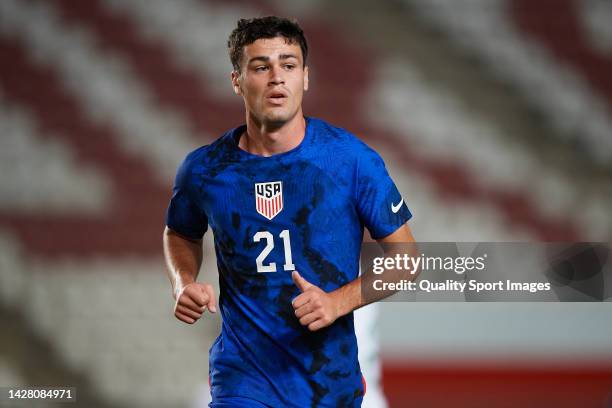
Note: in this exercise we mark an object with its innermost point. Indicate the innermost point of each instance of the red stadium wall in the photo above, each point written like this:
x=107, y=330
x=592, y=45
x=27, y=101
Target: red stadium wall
x=505, y=384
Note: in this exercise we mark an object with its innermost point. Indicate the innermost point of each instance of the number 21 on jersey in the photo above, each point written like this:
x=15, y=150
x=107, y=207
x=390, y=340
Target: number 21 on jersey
x=269, y=238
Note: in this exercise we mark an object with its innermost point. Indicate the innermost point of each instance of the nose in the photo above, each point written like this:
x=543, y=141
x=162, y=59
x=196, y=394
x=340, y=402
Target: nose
x=276, y=77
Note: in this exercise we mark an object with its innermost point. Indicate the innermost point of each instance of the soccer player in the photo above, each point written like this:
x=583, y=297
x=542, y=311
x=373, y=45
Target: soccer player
x=287, y=198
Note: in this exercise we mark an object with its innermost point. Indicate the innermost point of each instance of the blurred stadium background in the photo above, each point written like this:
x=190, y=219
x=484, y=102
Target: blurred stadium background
x=493, y=116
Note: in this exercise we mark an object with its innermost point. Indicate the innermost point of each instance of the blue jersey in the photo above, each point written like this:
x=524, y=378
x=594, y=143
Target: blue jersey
x=303, y=210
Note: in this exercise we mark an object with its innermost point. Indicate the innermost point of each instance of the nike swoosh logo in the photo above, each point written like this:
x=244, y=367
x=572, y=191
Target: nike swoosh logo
x=395, y=208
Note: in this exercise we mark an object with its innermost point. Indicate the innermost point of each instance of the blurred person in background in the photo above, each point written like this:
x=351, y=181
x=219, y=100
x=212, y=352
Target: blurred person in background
x=287, y=197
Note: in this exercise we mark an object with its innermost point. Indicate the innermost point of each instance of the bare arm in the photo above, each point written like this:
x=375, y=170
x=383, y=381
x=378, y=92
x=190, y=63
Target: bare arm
x=183, y=261
x=349, y=296
x=317, y=309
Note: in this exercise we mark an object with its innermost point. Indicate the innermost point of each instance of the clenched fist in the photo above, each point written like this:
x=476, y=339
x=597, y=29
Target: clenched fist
x=314, y=307
x=192, y=300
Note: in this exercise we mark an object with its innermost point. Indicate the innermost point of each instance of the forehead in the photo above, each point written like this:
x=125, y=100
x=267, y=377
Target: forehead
x=271, y=47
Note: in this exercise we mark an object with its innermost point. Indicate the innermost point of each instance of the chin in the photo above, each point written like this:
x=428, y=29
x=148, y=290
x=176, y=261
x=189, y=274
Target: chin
x=278, y=117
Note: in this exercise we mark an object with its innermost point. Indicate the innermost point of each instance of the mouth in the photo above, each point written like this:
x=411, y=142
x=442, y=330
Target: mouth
x=276, y=97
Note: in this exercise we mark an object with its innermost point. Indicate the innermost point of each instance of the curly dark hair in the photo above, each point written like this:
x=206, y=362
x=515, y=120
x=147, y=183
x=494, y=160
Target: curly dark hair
x=250, y=30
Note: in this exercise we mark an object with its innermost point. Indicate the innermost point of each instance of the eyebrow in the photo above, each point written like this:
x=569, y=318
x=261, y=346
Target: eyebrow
x=266, y=59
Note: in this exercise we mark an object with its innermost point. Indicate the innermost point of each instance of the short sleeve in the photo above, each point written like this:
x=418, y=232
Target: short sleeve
x=184, y=214
x=380, y=205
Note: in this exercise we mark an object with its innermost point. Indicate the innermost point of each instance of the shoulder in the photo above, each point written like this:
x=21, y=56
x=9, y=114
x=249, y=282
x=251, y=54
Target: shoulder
x=199, y=162
x=328, y=133
x=196, y=156
x=340, y=140
x=210, y=154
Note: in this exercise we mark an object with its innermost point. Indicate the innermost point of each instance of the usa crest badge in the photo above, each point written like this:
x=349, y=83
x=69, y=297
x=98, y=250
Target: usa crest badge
x=269, y=198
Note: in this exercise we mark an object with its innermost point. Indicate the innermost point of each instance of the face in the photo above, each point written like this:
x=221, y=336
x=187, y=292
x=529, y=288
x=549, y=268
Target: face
x=272, y=80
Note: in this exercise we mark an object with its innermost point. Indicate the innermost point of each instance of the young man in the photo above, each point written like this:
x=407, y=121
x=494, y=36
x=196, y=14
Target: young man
x=287, y=198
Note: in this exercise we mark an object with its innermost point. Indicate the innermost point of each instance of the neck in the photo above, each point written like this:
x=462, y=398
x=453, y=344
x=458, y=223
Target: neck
x=267, y=139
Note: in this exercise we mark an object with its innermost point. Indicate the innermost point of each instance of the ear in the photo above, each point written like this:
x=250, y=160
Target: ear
x=306, y=78
x=236, y=82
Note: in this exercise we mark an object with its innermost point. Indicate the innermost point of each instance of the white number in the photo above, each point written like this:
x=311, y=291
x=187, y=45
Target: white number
x=269, y=246
x=289, y=266
x=271, y=267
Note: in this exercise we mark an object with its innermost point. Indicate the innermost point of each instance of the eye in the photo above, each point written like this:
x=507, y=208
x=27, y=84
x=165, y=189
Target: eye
x=289, y=67
x=261, y=68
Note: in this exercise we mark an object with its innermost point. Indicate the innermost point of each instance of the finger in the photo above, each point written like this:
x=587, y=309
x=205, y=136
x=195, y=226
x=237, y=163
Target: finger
x=304, y=310
x=200, y=297
x=310, y=318
x=212, y=300
x=184, y=318
x=317, y=324
x=300, y=300
x=301, y=283
x=189, y=312
x=189, y=303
